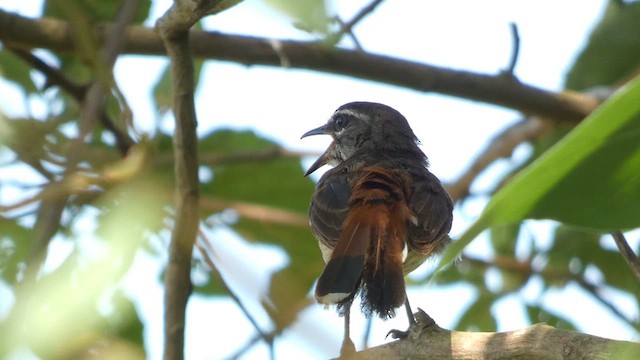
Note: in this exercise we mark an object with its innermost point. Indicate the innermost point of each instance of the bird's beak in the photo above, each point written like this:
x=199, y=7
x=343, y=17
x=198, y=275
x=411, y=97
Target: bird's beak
x=322, y=130
x=322, y=160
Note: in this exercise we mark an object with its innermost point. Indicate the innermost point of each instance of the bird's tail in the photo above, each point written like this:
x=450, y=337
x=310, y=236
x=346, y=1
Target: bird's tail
x=383, y=280
x=369, y=253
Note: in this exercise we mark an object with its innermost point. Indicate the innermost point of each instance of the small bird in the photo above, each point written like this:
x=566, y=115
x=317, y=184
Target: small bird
x=378, y=214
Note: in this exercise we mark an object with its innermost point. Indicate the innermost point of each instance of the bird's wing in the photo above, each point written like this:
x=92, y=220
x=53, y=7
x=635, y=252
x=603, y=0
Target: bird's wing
x=329, y=207
x=432, y=206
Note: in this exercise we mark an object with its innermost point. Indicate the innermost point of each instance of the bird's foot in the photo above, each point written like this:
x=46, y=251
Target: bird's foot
x=422, y=321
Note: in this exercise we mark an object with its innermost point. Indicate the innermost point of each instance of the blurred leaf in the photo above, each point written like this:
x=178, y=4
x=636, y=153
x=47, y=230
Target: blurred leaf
x=590, y=178
x=504, y=238
x=478, y=316
x=14, y=69
x=574, y=249
x=613, y=51
x=15, y=243
x=162, y=93
x=308, y=15
x=30, y=139
x=132, y=209
x=62, y=318
x=209, y=288
x=124, y=321
x=273, y=182
x=94, y=10
x=276, y=181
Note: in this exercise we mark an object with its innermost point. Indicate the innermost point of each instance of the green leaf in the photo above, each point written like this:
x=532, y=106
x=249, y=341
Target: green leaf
x=245, y=172
x=93, y=10
x=163, y=90
x=308, y=15
x=588, y=179
x=15, y=243
x=255, y=176
x=574, y=249
x=613, y=51
x=504, y=239
x=124, y=322
x=15, y=70
x=478, y=316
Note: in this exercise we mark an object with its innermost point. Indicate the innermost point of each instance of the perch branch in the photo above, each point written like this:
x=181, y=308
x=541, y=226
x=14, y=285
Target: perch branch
x=539, y=341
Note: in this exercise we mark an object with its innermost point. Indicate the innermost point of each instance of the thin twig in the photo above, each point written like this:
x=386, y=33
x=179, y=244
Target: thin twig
x=94, y=100
x=256, y=211
x=347, y=27
x=596, y=292
x=246, y=347
x=334, y=38
x=216, y=273
x=627, y=253
x=515, y=52
x=54, y=77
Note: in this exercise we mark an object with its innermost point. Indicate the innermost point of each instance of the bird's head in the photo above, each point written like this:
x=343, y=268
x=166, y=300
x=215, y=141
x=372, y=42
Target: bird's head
x=362, y=127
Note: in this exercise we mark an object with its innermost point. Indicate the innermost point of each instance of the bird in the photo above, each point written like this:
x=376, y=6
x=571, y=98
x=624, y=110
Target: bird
x=378, y=214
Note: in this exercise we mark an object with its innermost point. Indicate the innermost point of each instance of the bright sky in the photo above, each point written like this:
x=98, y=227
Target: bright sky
x=283, y=104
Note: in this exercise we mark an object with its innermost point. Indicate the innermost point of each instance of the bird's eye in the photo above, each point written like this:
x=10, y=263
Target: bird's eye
x=340, y=122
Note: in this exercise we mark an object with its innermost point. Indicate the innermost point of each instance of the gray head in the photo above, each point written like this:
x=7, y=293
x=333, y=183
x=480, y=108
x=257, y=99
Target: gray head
x=362, y=127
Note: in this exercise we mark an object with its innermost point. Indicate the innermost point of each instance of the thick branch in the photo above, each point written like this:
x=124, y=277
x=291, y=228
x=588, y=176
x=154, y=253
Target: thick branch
x=173, y=27
x=539, y=341
x=505, y=91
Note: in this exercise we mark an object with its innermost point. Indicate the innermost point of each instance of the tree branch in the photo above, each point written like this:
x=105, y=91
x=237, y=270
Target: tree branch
x=204, y=246
x=256, y=211
x=516, y=49
x=173, y=28
x=627, y=253
x=347, y=27
x=539, y=341
x=55, y=77
x=55, y=35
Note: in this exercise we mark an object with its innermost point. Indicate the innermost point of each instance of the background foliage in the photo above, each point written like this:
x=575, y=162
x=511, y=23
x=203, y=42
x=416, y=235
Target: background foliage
x=76, y=214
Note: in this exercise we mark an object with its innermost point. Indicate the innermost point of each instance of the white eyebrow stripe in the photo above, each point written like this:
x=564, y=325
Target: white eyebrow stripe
x=352, y=113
